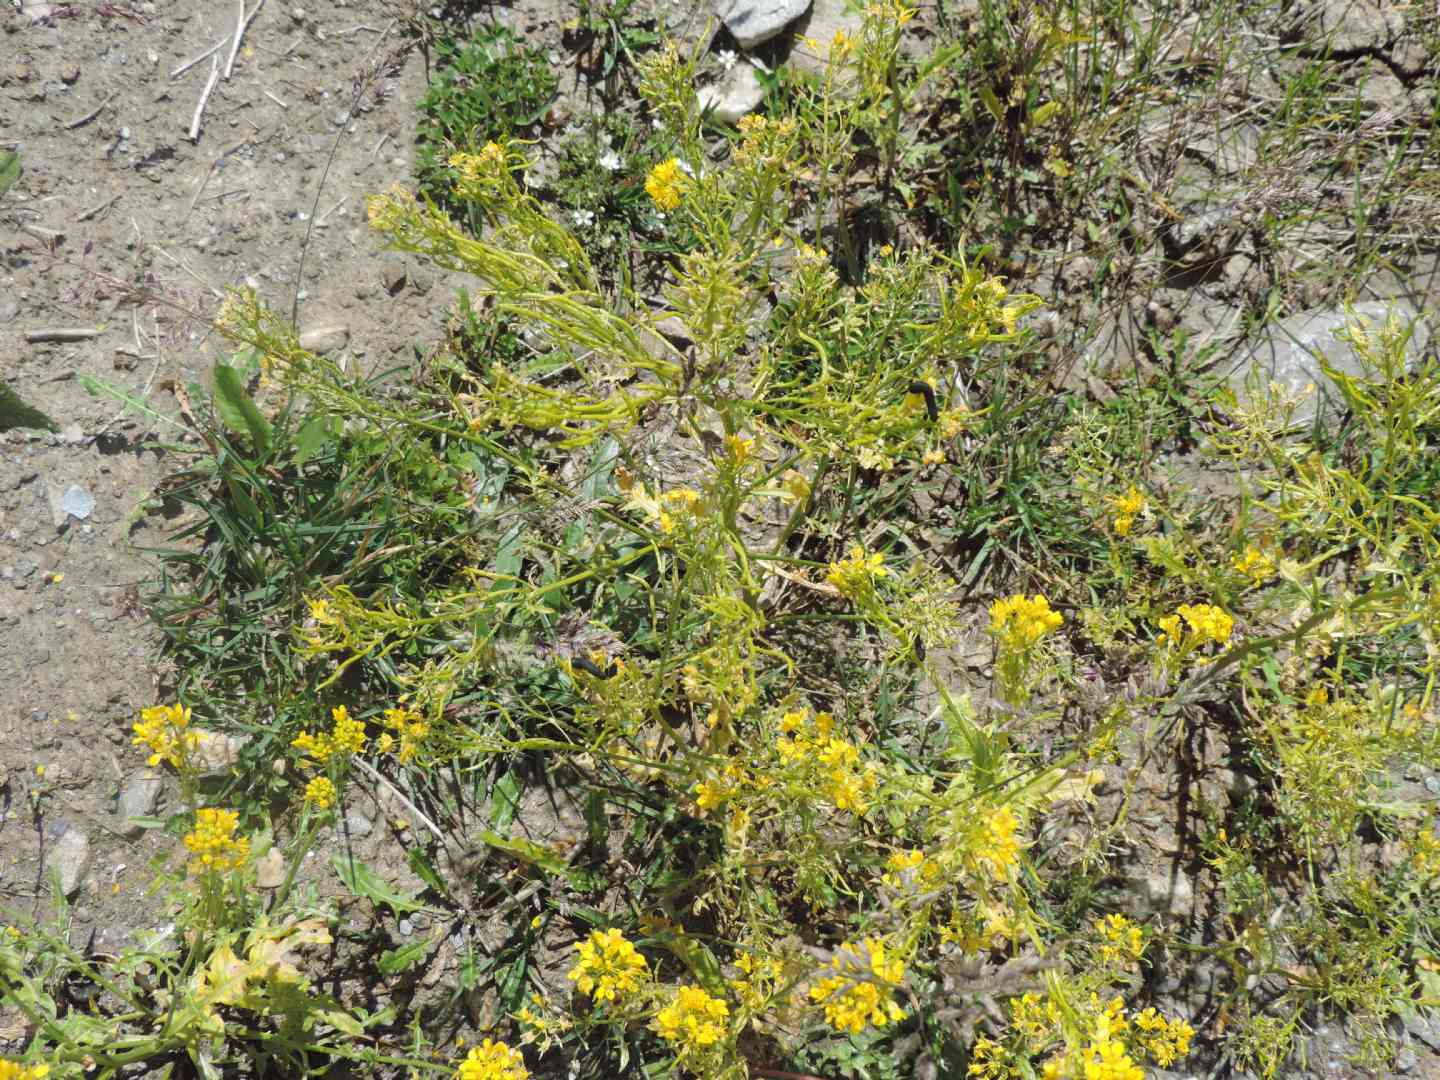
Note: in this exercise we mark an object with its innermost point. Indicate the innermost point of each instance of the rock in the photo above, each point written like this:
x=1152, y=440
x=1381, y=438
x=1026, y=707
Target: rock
x=9, y=308
x=752, y=22
x=138, y=799
x=1350, y=26
x=1289, y=354
x=737, y=93
x=357, y=825
x=70, y=860
x=827, y=17
x=270, y=869
x=216, y=752
x=393, y=275
x=74, y=435
x=65, y=503
x=325, y=339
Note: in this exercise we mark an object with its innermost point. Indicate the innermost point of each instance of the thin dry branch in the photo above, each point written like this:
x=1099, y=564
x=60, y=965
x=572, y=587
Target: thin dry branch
x=204, y=97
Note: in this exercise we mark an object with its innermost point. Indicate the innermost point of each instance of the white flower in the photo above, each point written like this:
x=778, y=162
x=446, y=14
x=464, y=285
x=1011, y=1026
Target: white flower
x=609, y=161
x=726, y=58
x=582, y=218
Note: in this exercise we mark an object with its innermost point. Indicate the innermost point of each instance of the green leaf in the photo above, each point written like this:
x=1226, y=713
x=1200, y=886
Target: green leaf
x=14, y=413
x=421, y=866
x=314, y=435
x=527, y=852
x=394, y=961
x=9, y=169
x=362, y=881
x=237, y=409
x=504, y=801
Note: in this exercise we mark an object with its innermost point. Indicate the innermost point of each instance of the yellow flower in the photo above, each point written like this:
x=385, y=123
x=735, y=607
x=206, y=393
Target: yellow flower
x=165, y=730
x=320, y=792
x=1254, y=564
x=1021, y=621
x=710, y=793
x=213, y=842
x=346, y=736
x=1127, y=508
x=409, y=728
x=1108, y=1060
x=693, y=1021
x=666, y=183
x=492, y=1061
x=855, y=574
x=14, y=1070
x=1165, y=1040
x=1206, y=623
x=609, y=966
x=1000, y=848
x=1122, y=940
x=863, y=991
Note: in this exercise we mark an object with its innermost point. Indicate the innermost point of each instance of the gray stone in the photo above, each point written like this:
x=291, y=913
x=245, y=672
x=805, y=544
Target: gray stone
x=217, y=752
x=70, y=860
x=325, y=339
x=1348, y=26
x=357, y=825
x=827, y=17
x=753, y=22
x=138, y=799
x=270, y=869
x=1290, y=351
x=737, y=93
x=393, y=275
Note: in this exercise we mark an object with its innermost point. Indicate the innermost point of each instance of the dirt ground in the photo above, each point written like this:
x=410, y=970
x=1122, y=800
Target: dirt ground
x=115, y=198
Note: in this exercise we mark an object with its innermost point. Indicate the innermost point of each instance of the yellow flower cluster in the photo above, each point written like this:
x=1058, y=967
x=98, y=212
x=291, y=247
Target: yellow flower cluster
x=757, y=981
x=609, y=966
x=347, y=736
x=1033, y=1015
x=858, y=573
x=1206, y=622
x=863, y=990
x=891, y=11
x=999, y=848
x=15, y=1070
x=765, y=143
x=406, y=731
x=1255, y=564
x=214, y=844
x=1126, y=508
x=1164, y=1040
x=679, y=504
x=1121, y=940
x=845, y=784
x=989, y=1061
x=492, y=1061
x=320, y=793
x=479, y=174
x=666, y=184
x=165, y=729
x=693, y=1021
x=910, y=871
x=1019, y=622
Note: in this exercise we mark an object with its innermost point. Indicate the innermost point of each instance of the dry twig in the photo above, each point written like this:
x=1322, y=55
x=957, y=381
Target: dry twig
x=204, y=97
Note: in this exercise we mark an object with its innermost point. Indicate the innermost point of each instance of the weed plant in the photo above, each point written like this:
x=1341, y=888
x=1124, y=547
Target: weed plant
x=691, y=577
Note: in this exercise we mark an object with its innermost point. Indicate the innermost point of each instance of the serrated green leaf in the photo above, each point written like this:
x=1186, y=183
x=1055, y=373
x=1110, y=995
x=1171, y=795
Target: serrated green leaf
x=394, y=961
x=238, y=410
